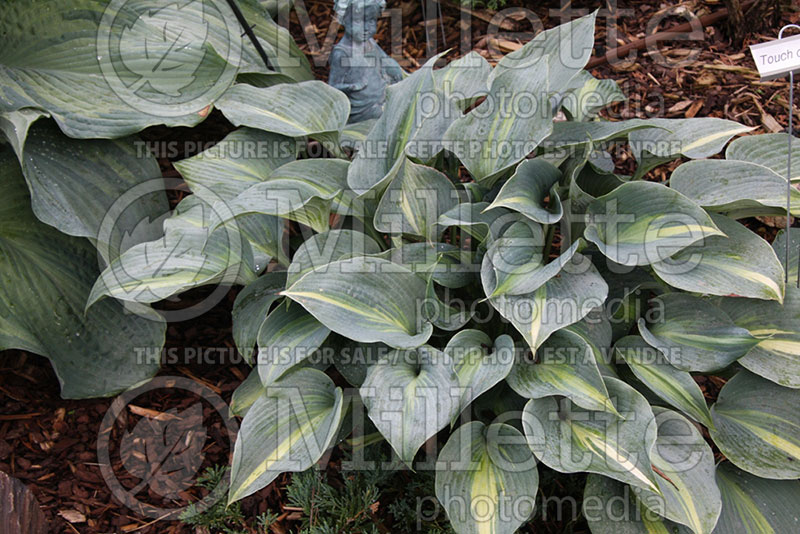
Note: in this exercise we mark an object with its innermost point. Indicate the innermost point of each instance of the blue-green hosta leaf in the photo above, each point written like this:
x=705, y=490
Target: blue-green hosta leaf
x=526, y=190
x=479, y=362
x=569, y=439
x=411, y=395
x=440, y=313
x=307, y=109
x=250, y=309
x=14, y=125
x=188, y=255
x=246, y=394
x=596, y=329
x=386, y=144
x=483, y=226
x=565, y=299
x=674, y=386
x=611, y=507
x=46, y=277
x=464, y=79
x=684, y=464
x=366, y=299
x=89, y=188
x=587, y=95
x=777, y=329
x=448, y=265
x=754, y=505
x=769, y=150
x=302, y=191
x=571, y=133
x=288, y=336
x=741, y=264
x=693, y=138
x=793, y=261
x=486, y=479
x=565, y=365
x=757, y=426
x=738, y=188
x=245, y=157
x=414, y=200
x=328, y=247
x=695, y=335
x=640, y=223
x=288, y=428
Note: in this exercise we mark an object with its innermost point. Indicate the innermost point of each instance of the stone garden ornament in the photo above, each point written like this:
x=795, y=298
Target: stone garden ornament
x=359, y=67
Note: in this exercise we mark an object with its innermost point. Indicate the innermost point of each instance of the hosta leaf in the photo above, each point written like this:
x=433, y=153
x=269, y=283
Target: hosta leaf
x=776, y=357
x=307, y=109
x=300, y=190
x=695, y=335
x=328, y=247
x=588, y=95
x=565, y=365
x=741, y=264
x=479, y=363
x=410, y=396
x=250, y=309
x=46, y=277
x=674, y=386
x=14, y=125
x=486, y=479
x=440, y=261
x=685, y=467
x=465, y=78
x=188, y=255
x=565, y=299
x=107, y=191
x=246, y=394
x=640, y=223
x=441, y=314
x=244, y=158
x=757, y=426
x=570, y=439
x=793, y=261
x=414, y=200
x=571, y=133
x=366, y=299
x=288, y=428
x=769, y=150
x=478, y=223
x=752, y=504
x=288, y=336
x=693, y=138
x=596, y=329
x=739, y=188
x=611, y=507
x=526, y=190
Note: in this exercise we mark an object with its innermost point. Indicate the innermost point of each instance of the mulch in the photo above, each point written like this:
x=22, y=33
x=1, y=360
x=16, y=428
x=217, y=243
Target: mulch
x=50, y=444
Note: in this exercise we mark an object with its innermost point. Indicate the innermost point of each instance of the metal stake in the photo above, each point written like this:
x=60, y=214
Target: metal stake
x=789, y=166
x=248, y=30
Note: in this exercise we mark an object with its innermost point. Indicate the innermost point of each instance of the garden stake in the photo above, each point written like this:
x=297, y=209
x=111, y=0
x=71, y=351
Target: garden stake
x=789, y=167
x=249, y=31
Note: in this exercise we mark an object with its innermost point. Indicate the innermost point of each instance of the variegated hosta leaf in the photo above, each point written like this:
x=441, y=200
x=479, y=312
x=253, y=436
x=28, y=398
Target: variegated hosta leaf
x=565, y=299
x=769, y=150
x=695, y=335
x=741, y=265
x=526, y=190
x=464, y=79
x=474, y=219
x=88, y=188
x=46, y=277
x=486, y=479
x=245, y=157
x=14, y=126
x=479, y=362
x=328, y=247
x=684, y=464
x=640, y=223
x=414, y=200
x=441, y=314
x=446, y=264
x=307, y=109
x=611, y=507
x=288, y=428
x=776, y=357
x=366, y=299
x=301, y=190
x=596, y=329
x=693, y=138
x=565, y=365
x=410, y=395
x=246, y=394
x=570, y=439
x=755, y=505
x=757, y=426
x=571, y=133
x=674, y=386
x=288, y=336
x=588, y=95
x=738, y=188
x=250, y=309
x=188, y=255
x=372, y=167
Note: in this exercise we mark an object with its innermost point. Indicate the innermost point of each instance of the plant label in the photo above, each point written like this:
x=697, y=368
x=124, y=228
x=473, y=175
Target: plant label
x=777, y=58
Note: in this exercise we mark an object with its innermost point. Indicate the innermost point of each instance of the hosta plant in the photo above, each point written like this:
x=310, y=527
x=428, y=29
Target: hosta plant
x=470, y=278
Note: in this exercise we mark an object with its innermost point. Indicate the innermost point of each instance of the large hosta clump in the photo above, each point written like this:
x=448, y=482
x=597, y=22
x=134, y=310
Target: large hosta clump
x=471, y=280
